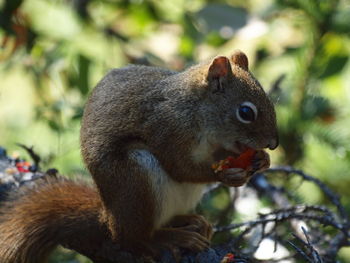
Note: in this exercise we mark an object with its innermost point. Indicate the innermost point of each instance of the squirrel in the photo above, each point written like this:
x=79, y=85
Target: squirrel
x=148, y=138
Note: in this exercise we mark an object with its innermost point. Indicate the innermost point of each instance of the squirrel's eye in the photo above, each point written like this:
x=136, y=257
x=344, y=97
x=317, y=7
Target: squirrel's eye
x=246, y=112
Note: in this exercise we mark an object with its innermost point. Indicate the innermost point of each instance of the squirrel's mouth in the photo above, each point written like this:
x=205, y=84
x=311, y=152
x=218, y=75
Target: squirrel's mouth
x=236, y=150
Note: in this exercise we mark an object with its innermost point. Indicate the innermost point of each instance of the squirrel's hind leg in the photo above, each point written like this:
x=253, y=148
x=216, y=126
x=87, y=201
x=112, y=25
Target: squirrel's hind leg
x=193, y=223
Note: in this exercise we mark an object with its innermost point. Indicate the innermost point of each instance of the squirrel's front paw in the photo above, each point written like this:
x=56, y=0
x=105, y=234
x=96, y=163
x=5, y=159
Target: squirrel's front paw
x=238, y=176
x=234, y=176
x=260, y=162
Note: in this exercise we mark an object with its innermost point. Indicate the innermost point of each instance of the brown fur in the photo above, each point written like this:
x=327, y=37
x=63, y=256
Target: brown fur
x=56, y=211
x=169, y=114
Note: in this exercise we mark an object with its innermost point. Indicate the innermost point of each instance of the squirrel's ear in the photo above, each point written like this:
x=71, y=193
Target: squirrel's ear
x=240, y=59
x=219, y=73
x=219, y=67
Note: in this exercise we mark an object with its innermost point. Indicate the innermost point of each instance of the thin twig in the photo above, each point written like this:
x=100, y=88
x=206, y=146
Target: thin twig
x=334, y=198
x=35, y=157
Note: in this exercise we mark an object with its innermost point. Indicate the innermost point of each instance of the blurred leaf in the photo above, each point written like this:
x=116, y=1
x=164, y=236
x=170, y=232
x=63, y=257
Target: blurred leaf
x=310, y=7
x=187, y=46
x=190, y=37
x=327, y=135
x=63, y=22
x=314, y=107
x=190, y=27
x=329, y=163
x=335, y=65
x=275, y=91
x=78, y=113
x=340, y=21
x=221, y=17
x=81, y=7
x=11, y=5
x=6, y=12
x=140, y=16
x=83, y=74
x=54, y=125
x=61, y=254
x=215, y=39
x=170, y=11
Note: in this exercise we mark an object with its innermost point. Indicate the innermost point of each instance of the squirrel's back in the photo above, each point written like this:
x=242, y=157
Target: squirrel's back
x=122, y=110
x=55, y=212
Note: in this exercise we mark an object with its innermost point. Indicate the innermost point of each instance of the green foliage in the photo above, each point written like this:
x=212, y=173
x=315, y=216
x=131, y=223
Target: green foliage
x=52, y=53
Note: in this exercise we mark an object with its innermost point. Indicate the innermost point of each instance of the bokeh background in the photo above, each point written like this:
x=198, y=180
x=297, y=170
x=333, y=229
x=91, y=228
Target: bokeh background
x=53, y=52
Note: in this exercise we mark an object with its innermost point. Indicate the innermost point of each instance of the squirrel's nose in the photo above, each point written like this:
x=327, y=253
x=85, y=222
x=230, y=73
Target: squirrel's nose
x=273, y=143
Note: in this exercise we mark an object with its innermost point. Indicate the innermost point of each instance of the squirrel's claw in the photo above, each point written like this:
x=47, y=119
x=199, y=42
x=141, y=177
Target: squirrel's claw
x=194, y=223
x=261, y=162
x=234, y=177
x=181, y=238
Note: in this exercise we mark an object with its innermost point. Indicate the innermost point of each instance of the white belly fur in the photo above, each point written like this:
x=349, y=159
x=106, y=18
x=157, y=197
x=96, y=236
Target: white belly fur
x=174, y=198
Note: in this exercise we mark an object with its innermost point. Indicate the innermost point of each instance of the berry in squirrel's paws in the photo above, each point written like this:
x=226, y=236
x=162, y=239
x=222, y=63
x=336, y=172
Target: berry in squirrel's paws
x=242, y=161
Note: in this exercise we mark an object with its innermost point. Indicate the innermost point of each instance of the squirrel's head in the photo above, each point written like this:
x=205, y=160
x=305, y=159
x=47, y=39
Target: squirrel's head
x=235, y=112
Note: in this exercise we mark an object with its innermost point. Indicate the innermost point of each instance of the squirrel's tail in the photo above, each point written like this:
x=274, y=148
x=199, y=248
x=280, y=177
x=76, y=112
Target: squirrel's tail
x=57, y=211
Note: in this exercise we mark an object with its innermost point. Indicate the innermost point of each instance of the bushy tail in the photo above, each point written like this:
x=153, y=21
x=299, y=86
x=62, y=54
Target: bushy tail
x=57, y=211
